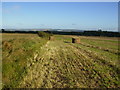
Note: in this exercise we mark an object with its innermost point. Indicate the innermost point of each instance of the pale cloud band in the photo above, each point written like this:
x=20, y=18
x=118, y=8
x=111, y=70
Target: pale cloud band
x=60, y=0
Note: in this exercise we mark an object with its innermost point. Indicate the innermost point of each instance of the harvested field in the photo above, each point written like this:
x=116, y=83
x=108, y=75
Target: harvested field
x=38, y=63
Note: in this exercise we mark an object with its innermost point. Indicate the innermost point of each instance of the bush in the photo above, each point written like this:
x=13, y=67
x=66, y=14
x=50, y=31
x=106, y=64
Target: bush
x=44, y=34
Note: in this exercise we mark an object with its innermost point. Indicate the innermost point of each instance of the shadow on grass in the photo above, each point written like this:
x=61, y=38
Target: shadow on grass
x=66, y=42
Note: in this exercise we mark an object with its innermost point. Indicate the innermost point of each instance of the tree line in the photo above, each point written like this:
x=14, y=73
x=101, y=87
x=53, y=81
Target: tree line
x=85, y=33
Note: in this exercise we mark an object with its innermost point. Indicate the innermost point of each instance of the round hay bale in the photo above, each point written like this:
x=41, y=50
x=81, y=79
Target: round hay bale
x=75, y=40
x=51, y=38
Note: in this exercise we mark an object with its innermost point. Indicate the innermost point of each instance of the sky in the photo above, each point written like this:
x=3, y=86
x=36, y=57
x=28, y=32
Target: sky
x=60, y=15
x=59, y=0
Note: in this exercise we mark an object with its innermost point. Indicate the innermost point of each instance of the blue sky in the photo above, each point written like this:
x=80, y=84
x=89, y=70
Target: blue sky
x=59, y=0
x=60, y=15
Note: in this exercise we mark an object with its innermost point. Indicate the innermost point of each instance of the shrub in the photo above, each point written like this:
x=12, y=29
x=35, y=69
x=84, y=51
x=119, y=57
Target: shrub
x=44, y=34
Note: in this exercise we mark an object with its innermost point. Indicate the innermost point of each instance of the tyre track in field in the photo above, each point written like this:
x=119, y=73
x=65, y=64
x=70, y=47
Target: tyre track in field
x=101, y=48
x=100, y=59
x=95, y=59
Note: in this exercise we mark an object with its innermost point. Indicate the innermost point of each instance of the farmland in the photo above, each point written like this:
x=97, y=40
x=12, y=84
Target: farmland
x=29, y=61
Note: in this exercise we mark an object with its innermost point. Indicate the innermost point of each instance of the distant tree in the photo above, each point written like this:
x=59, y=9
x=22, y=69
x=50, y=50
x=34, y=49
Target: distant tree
x=2, y=30
x=99, y=30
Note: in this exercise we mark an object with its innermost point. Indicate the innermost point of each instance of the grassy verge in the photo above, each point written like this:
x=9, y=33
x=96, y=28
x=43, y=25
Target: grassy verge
x=16, y=51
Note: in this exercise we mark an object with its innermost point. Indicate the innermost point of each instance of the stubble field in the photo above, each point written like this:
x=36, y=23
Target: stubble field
x=29, y=61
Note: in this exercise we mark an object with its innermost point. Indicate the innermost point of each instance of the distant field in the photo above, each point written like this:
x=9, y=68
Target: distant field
x=29, y=61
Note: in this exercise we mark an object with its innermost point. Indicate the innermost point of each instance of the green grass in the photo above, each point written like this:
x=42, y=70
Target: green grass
x=111, y=44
